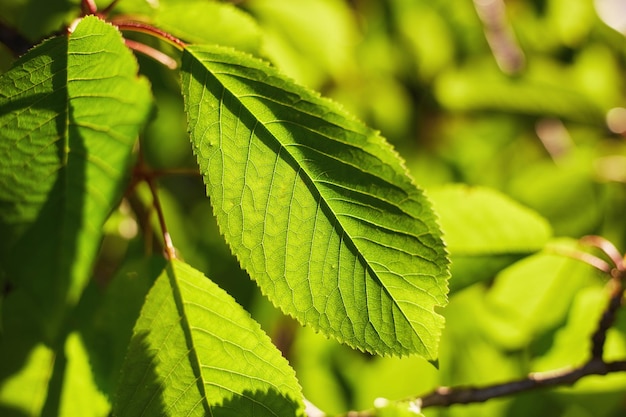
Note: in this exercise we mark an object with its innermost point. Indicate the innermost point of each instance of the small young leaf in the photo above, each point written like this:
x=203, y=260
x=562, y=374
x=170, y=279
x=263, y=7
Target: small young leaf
x=70, y=112
x=317, y=207
x=196, y=352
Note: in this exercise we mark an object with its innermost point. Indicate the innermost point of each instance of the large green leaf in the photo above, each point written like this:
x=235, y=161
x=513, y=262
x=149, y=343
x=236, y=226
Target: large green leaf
x=317, y=207
x=196, y=352
x=70, y=111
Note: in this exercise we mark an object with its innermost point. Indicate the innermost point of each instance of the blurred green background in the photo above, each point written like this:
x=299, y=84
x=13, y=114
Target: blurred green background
x=523, y=101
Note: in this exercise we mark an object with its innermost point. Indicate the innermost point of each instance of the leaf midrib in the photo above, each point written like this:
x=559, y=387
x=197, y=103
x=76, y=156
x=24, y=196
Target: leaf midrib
x=311, y=183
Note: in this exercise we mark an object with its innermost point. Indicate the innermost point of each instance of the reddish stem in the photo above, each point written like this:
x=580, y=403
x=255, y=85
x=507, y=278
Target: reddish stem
x=142, y=27
x=608, y=248
x=155, y=54
x=89, y=7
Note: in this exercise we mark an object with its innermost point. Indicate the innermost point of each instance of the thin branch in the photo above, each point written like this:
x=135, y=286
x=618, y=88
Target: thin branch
x=608, y=248
x=170, y=251
x=608, y=316
x=444, y=396
x=155, y=54
x=135, y=26
x=589, y=259
x=89, y=7
x=143, y=173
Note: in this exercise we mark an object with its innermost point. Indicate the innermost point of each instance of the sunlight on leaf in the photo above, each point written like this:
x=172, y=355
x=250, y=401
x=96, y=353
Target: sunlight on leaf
x=317, y=207
x=70, y=112
x=80, y=395
x=196, y=352
x=26, y=365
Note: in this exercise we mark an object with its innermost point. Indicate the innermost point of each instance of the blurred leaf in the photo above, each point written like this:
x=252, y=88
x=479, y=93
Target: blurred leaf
x=572, y=21
x=131, y=7
x=315, y=359
x=534, y=295
x=544, y=92
x=80, y=395
x=201, y=21
x=37, y=19
x=563, y=193
x=71, y=111
x=26, y=365
x=310, y=40
x=318, y=208
x=423, y=27
x=597, y=73
x=572, y=343
x=195, y=351
x=485, y=231
x=107, y=329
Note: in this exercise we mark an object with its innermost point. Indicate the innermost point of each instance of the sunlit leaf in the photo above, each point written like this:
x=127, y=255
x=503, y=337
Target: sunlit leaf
x=70, y=111
x=196, y=352
x=317, y=207
x=26, y=365
x=485, y=231
x=80, y=395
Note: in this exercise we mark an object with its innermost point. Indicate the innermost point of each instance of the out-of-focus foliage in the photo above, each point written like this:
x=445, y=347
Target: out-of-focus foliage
x=530, y=104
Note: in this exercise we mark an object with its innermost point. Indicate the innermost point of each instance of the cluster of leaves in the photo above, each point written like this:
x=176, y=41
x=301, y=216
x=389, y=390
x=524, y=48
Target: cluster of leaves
x=314, y=206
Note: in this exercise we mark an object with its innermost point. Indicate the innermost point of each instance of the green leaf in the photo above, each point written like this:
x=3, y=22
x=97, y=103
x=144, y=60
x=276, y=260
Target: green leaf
x=36, y=19
x=195, y=351
x=310, y=40
x=545, y=91
x=317, y=207
x=107, y=317
x=26, y=365
x=70, y=112
x=201, y=21
x=485, y=231
x=80, y=396
x=534, y=295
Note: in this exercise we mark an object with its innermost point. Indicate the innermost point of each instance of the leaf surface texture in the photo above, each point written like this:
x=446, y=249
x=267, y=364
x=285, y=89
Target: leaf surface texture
x=317, y=207
x=196, y=352
x=70, y=112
